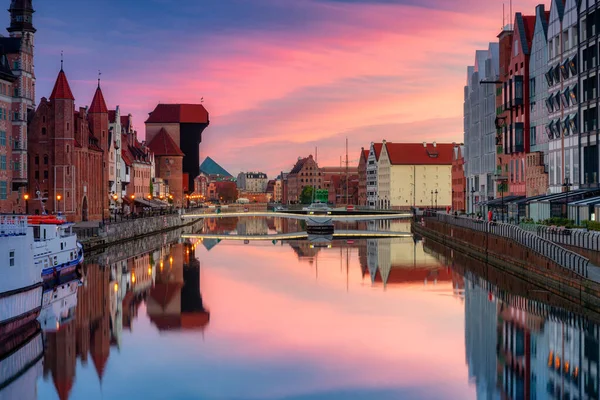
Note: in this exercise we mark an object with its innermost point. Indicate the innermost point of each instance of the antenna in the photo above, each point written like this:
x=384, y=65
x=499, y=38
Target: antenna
x=99, y=74
x=61, y=60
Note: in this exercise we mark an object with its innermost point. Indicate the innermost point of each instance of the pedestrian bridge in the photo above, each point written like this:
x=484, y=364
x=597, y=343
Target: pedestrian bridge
x=348, y=217
x=341, y=234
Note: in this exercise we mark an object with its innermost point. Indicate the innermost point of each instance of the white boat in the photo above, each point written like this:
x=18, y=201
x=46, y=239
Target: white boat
x=56, y=250
x=58, y=305
x=318, y=208
x=21, y=282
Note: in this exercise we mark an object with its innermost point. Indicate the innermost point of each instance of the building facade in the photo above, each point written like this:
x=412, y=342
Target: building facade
x=459, y=182
x=68, y=160
x=362, y=177
x=255, y=182
x=563, y=99
x=372, y=166
x=304, y=173
x=536, y=166
x=168, y=165
x=479, y=127
x=9, y=198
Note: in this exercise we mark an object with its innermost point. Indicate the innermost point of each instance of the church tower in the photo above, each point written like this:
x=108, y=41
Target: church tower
x=19, y=50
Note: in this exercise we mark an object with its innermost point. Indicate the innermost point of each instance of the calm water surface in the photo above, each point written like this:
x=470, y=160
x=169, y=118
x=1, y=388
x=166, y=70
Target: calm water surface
x=363, y=319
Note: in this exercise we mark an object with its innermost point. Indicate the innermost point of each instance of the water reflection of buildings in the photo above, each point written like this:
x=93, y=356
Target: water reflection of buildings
x=405, y=261
x=252, y=226
x=175, y=301
x=522, y=349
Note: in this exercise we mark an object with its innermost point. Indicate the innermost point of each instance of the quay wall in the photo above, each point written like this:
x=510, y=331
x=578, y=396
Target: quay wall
x=513, y=258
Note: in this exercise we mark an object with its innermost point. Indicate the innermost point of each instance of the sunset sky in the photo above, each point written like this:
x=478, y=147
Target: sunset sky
x=278, y=77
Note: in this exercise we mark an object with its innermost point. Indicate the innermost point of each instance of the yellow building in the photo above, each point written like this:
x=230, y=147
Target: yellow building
x=418, y=174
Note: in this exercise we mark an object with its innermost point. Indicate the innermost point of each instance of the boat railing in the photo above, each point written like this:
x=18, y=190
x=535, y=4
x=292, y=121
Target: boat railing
x=13, y=225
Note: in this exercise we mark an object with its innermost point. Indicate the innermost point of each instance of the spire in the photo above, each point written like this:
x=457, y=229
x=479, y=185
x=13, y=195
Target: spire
x=61, y=87
x=99, y=74
x=61, y=60
x=98, y=104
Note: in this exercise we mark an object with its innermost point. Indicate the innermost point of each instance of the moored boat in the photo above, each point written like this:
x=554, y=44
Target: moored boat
x=21, y=283
x=56, y=250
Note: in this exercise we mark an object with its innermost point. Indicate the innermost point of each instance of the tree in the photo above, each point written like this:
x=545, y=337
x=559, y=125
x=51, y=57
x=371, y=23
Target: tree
x=306, y=196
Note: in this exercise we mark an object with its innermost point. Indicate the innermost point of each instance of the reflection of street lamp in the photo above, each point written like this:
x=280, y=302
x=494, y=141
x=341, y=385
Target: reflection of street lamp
x=58, y=197
x=26, y=197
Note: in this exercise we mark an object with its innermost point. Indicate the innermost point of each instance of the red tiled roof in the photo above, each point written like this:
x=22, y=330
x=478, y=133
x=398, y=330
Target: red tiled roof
x=61, y=88
x=98, y=104
x=112, y=116
x=100, y=359
x=364, y=154
x=125, y=155
x=417, y=154
x=63, y=387
x=529, y=22
x=125, y=121
x=179, y=113
x=163, y=145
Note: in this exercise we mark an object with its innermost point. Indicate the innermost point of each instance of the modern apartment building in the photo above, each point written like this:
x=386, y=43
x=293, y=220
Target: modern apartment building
x=479, y=125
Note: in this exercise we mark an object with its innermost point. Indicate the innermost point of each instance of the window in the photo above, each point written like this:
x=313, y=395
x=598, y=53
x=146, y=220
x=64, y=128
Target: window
x=37, y=160
x=16, y=166
x=516, y=47
x=16, y=116
x=3, y=163
x=11, y=257
x=532, y=140
x=46, y=160
x=43, y=131
x=37, y=174
x=15, y=64
x=532, y=87
x=3, y=190
x=2, y=138
x=46, y=174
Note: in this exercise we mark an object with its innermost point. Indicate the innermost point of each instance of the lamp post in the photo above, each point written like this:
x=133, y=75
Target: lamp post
x=58, y=197
x=452, y=202
x=432, y=199
x=473, y=200
x=26, y=197
x=115, y=197
x=465, y=198
x=567, y=185
x=436, y=193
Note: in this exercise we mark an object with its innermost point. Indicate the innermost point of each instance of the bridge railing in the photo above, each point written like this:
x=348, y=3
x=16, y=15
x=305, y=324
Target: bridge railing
x=547, y=248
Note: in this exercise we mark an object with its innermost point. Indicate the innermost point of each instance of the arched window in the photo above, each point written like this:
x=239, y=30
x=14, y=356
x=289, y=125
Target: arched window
x=46, y=159
x=43, y=131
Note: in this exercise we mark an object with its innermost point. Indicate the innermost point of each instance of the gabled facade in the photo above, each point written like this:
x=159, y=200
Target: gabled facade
x=115, y=159
x=383, y=178
x=563, y=96
x=536, y=168
x=305, y=173
x=362, y=177
x=459, y=186
x=588, y=81
x=372, y=166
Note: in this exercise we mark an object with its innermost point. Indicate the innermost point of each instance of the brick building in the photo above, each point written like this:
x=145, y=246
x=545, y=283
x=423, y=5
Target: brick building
x=67, y=154
x=184, y=123
x=362, y=177
x=304, y=173
x=515, y=50
x=168, y=164
x=223, y=191
x=17, y=98
x=459, y=182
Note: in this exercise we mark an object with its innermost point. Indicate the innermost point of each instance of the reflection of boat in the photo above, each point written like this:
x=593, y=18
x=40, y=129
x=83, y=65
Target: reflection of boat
x=55, y=247
x=21, y=283
x=21, y=363
x=58, y=305
x=318, y=208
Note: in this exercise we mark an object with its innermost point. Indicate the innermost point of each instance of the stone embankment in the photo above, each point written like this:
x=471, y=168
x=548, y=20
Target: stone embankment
x=520, y=253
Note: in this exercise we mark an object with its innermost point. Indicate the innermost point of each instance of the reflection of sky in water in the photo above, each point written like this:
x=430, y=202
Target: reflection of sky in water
x=284, y=327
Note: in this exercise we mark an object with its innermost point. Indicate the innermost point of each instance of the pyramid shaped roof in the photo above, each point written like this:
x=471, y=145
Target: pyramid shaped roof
x=210, y=167
x=163, y=145
x=98, y=104
x=62, y=90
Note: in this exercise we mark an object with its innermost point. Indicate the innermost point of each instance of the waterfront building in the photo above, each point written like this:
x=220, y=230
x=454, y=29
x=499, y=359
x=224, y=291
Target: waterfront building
x=372, y=186
x=17, y=100
x=168, y=164
x=415, y=174
x=536, y=167
x=225, y=191
x=563, y=95
x=362, y=177
x=67, y=173
x=304, y=173
x=277, y=191
x=588, y=82
x=334, y=180
x=201, y=185
x=142, y=163
x=459, y=183
x=115, y=159
x=271, y=188
x=479, y=127
x=184, y=123
x=252, y=181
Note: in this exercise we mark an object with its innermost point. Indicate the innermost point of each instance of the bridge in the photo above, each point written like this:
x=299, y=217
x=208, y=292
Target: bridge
x=342, y=234
x=348, y=217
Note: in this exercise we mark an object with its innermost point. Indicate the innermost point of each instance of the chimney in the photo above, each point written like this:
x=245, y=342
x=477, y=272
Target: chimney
x=434, y=144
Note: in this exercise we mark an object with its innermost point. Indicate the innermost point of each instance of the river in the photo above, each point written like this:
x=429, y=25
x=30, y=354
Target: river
x=358, y=319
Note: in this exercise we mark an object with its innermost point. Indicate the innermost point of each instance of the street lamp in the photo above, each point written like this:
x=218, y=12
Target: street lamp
x=452, y=202
x=473, y=200
x=115, y=197
x=58, y=197
x=436, y=193
x=567, y=185
x=26, y=197
x=501, y=180
x=432, y=199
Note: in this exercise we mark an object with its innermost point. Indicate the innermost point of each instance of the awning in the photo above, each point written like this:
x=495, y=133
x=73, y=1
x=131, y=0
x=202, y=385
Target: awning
x=143, y=202
x=507, y=199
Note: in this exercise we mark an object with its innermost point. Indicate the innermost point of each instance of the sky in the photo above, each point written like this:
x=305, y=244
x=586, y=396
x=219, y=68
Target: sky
x=279, y=78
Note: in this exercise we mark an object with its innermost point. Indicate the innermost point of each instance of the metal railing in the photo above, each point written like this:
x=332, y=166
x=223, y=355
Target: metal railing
x=589, y=240
x=545, y=247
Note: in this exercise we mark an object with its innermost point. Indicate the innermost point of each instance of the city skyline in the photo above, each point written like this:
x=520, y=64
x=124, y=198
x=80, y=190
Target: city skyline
x=277, y=80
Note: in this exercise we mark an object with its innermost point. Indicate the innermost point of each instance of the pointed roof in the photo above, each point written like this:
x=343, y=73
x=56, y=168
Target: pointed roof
x=63, y=387
x=377, y=148
x=62, y=90
x=100, y=361
x=98, y=104
x=210, y=167
x=163, y=145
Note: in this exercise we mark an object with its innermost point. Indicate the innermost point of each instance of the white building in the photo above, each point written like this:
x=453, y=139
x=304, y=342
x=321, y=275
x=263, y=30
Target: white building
x=372, y=166
x=255, y=182
x=115, y=159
